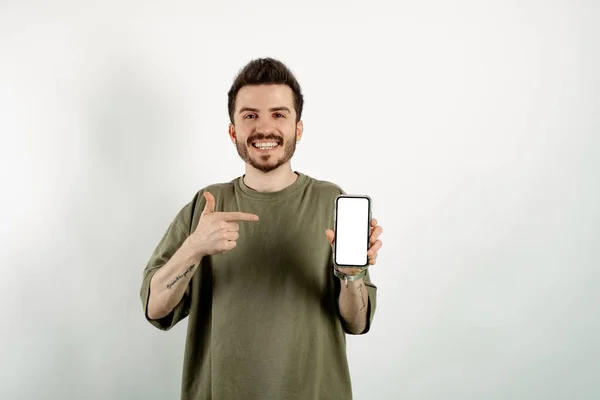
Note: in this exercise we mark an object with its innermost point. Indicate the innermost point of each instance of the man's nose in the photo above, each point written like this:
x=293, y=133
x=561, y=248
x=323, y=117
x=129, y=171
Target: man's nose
x=265, y=126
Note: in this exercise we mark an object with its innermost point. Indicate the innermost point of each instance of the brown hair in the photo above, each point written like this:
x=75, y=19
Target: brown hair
x=265, y=71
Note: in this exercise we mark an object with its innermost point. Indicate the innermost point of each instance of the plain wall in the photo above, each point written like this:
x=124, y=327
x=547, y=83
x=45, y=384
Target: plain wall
x=473, y=126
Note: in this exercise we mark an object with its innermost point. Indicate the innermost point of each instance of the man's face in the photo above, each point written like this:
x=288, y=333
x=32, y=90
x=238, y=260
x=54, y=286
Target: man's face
x=265, y=129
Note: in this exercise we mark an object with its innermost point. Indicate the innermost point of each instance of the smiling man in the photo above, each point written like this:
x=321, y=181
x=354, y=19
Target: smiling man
x=249, y=263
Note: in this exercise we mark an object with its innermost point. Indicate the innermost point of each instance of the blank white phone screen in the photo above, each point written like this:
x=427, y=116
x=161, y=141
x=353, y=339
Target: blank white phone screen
x=352, y=231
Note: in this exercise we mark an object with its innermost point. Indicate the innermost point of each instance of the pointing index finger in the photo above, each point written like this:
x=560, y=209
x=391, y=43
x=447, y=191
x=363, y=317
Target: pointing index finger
x=237, y=216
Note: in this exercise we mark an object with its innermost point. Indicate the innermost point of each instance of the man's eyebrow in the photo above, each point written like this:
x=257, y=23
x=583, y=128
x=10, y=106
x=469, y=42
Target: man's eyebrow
x=247, y=109
x=281, y=108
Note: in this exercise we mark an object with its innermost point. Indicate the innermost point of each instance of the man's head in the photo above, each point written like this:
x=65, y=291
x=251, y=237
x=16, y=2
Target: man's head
x=265, y=109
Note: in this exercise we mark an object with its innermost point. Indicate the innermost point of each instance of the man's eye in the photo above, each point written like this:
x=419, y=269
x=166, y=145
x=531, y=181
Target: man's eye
x=279, y=115
x=249, y=116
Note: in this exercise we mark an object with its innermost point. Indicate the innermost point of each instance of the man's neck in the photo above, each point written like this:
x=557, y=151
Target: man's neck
x=269, y=182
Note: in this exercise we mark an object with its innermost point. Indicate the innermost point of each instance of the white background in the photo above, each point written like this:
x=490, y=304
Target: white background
x=473, y=126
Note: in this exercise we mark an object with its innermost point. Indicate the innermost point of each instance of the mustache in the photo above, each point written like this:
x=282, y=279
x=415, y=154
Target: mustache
x=261, y=136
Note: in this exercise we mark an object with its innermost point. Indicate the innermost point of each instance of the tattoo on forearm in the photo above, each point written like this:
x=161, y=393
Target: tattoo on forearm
x=360, y=294
x=187, y=271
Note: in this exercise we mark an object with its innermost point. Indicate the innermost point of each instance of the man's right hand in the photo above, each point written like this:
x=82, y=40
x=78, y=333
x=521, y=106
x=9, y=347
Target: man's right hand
x=217, y=232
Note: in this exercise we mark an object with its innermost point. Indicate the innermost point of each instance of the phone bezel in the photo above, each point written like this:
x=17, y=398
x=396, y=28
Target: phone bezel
x=369, y=201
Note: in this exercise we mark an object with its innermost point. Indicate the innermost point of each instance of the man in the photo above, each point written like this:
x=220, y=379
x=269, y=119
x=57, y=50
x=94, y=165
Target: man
x=250, y=263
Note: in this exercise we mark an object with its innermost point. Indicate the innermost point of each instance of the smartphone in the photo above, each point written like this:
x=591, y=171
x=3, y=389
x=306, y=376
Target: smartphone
x=352, y=224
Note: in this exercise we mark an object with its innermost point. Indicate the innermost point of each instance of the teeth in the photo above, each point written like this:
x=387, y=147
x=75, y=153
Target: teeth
x=265, y=146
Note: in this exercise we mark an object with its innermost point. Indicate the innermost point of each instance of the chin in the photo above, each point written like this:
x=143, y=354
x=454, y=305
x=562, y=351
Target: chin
x=265, y=166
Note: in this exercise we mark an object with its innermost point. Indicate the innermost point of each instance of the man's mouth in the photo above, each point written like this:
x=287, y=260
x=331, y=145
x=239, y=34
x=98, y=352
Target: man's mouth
x=265, y=144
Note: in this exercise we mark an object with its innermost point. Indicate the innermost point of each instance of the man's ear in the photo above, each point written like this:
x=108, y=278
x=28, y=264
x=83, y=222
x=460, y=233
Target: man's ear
x=299, y=130
x=232, y=133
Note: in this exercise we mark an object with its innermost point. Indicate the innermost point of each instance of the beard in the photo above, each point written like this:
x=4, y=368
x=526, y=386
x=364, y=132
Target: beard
x=266, y=162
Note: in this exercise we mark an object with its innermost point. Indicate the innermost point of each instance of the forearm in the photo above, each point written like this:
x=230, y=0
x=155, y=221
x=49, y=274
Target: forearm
x=353, y=304
x=169, y=283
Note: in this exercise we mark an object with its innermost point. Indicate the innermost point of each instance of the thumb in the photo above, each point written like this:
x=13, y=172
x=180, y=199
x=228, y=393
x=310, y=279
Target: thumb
x=210, y=203
x=330, y=236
